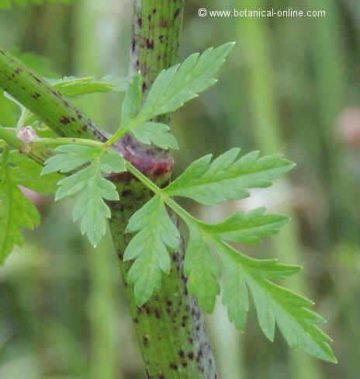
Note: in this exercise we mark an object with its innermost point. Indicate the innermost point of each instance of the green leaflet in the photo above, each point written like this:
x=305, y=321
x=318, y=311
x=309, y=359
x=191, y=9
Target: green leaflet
x=27, y=173
x=72, y=87
x=200, y=253
x=156, y=236
x=227, y=177
x=149, y=132
x=247, y=227
x=202, y=271
x=181, y=83
x=132, y=101
x=242, y=274
x=157, y=134
x=88, y=183
x=69, y=158
x=171, y=89
x=274, y=304
x=16, y=212
x=235, y=294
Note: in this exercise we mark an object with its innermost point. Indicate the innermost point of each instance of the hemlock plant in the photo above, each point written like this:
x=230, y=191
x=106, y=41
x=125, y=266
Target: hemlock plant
x=81, y=162
x=207, y=181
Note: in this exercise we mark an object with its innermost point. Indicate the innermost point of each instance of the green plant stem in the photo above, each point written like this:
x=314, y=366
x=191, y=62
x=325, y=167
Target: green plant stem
x=137, y=121
x=170, y=327
x=10, y=137
x=41, y=98
x=37, y=151
x=55, y=142
x=41, y=149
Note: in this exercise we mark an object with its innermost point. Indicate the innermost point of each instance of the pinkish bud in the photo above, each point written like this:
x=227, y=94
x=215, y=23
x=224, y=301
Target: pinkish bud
x=27, y=134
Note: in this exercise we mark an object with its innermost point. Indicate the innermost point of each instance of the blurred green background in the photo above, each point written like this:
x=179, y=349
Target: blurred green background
x=291, y=85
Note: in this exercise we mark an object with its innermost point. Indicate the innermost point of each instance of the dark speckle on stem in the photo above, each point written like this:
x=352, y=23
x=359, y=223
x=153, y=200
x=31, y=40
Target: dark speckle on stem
x=35, y=78
x=149, y=43
x=174, y=366
x=65, y=120
x=146, y=340
x=164, y=23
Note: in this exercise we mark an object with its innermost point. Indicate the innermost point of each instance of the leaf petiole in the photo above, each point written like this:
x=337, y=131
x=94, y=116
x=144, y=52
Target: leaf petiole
x=122, y=131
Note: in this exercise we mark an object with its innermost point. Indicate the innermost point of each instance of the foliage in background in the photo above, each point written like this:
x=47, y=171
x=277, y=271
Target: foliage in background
x=7, y=4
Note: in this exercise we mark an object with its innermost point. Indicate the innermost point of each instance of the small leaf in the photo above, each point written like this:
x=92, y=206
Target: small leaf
x=155, y=133
x=274, y=304
x=156, y=236
x=132, y=100
x=227, y=177
x=69, y=158
x=202, y=270
x=27, y=173
x=235, y=293
x=112, y=162
x=16, y=213
x=181, y=83
x=91, y=209
x=71, y=185
x=247, y=228
x=74, y=87
x=88, y=183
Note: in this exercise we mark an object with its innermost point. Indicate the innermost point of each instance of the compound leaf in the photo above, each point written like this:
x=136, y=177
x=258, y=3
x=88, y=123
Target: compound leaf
x=181, y=83
x=69, y=158
x=274, y=304
x=227, y=177
x=247, y=228
x=155, y=133
x=202, y=271
x=88, y=183
x=171, y=89
x=156, y=236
